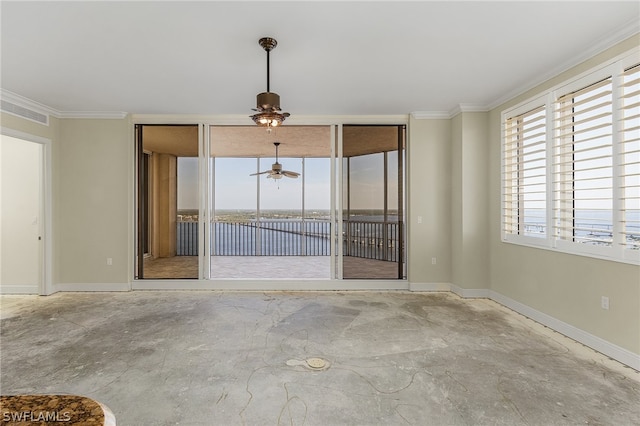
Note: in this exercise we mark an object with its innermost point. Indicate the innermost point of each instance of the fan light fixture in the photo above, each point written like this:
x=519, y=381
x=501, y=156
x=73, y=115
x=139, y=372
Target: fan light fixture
x=268, y=103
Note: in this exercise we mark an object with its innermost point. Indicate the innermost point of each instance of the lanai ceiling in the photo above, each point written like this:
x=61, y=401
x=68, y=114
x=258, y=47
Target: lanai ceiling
x=332, y=58
x=252, y=141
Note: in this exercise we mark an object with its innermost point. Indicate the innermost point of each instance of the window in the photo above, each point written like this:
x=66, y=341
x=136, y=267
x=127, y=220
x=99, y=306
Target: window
x=630, y=158
x=524, y=176
x=571, y=166
x=583, y=165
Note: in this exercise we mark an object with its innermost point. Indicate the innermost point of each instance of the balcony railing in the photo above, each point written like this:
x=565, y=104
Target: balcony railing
x=370, y=240
x=271, y=238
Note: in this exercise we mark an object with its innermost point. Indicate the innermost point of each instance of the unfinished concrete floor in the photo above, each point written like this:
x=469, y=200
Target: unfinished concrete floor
x=224, y=358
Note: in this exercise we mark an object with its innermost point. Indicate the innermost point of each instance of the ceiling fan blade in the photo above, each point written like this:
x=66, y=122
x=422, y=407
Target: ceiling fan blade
x=289, y=174
x=260, y=173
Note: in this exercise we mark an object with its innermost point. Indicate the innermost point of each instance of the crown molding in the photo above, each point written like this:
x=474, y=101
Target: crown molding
x=245, y=120
x=631, y=28
x=348, y=119
x=32, y=105
x=460, y=108
x=226, y=119
x=438, y=115
x=23, y=102
x=430, y=115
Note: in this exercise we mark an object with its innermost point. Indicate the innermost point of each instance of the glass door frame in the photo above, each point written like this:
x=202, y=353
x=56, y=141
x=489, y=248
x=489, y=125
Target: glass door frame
x=140, y=188
x=402, y=142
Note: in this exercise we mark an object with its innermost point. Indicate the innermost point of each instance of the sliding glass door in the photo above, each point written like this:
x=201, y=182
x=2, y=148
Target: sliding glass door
x=167, y=202
x=299, y=202
x=372, y=201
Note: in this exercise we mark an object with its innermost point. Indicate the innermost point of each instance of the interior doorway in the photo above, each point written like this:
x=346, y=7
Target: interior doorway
x=22, y=222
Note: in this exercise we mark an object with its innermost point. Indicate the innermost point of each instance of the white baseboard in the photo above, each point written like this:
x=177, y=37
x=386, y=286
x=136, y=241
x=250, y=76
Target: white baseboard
x=75, y=287
x=607, y=348
x=470, y=293
x=18, y=289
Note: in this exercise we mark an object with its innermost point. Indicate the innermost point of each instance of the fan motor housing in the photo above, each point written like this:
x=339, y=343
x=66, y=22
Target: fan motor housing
x=276, y=167
x=268, y=101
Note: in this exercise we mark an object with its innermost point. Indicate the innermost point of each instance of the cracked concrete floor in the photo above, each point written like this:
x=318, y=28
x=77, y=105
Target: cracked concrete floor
x=237, y=358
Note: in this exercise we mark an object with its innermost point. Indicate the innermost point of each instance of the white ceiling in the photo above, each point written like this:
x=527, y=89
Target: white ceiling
x=381, y=57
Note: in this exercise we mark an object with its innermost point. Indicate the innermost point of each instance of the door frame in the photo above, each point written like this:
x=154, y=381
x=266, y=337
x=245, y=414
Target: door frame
x=45, y=286
x=139, y=220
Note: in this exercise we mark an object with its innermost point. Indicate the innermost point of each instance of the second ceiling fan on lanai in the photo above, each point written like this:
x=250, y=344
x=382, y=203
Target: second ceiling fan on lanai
x=276, y=171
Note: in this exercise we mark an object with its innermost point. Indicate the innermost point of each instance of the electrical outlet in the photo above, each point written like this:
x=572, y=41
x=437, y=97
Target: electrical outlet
x=434, y=260
x=109, y=261
x=419, y=219
x=604, y=302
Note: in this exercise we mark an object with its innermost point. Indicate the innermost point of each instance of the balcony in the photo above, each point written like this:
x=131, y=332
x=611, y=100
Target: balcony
x=285, y=249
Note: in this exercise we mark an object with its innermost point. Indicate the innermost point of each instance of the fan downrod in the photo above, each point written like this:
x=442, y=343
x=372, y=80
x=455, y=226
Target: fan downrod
x=277, y=144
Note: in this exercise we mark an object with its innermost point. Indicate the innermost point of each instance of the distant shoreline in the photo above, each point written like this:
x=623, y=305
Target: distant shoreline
x=240, y=215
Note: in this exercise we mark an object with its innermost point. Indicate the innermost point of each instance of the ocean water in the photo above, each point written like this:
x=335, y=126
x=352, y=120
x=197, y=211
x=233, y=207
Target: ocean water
x=591, y=226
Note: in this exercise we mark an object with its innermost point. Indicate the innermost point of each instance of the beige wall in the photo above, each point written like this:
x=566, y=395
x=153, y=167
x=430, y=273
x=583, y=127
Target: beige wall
x=566, y=287
x=456, y=161
x=91, y=198
x=429, y=196
x=469, y=200
x=448, y=188
x=93, y=201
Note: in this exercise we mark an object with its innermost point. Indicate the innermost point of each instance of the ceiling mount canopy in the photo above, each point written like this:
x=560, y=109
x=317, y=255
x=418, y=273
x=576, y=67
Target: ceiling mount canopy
x=268, y=103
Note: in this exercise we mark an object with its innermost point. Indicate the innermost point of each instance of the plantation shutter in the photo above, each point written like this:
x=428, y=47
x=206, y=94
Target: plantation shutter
x=524, y=174
x=630, y=158
x=583, y=165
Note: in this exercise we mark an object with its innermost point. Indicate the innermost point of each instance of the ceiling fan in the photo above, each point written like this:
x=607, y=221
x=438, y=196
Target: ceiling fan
x=276, y=171
x=268, y=103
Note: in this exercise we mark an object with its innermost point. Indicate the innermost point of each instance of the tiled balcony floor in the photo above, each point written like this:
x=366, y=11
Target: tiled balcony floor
x=251, y=267
x=317, y=267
